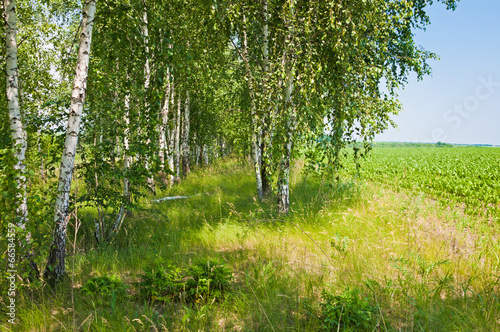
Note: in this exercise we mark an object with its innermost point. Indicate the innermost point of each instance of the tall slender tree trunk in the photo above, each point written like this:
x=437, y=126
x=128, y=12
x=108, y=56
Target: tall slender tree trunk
x=197, y=150
x=194, y=149
x=222, y=148
x=56, y=269
x=177, y=141
x=200, y=154
x=163, y=128
x=185, y=138
x=284, y=166
x=147, y=74
x=205, y=154
x=288, y=114
x=266, y=118
x=253, y=113
x=127, y=161
x=171, y=143
x=17, y=131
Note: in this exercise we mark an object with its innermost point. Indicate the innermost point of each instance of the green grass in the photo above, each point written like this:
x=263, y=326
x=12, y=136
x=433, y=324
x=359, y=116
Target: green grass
x=467, y=176
x=422, y=265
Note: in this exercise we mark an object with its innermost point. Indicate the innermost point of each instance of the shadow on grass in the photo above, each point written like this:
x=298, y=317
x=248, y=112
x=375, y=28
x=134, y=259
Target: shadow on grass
x=265, y=296
x=278, y=276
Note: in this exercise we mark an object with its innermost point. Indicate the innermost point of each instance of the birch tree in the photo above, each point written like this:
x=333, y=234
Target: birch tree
x=177, y=150
x=172, y=136
x=18, y=133
x=55, y=268
x=127, y=161
x=324, y=94
x=265, y=134
x=284, y=166
x=147, y=76
x=288, y=113
x=185, y=137
x=253, y=113
x=164, y=145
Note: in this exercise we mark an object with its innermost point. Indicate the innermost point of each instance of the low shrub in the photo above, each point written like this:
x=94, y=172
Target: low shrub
x=207, y=278
x=349, y=311
x=105, y=290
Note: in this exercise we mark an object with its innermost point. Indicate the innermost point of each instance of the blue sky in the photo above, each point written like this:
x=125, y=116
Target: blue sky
x=460, y=102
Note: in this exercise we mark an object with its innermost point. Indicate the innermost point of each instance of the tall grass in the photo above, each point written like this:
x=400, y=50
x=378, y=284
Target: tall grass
x=423, y=266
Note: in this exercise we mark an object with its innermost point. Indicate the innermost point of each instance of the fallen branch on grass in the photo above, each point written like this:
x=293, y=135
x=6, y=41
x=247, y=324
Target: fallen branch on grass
x=171, y=198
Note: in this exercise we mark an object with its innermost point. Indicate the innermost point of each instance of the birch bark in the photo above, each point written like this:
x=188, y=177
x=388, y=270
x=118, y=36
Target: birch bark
x=290, y=124
x=265, y=140
x=55, y=268
x=284, y=167
x=147, y=74
x=163, y=127
x=171, y=143
x=177, y=141
x=17, y=130
x=185, y=138
x=255, y=130
x=205, y=154
x=127, y=161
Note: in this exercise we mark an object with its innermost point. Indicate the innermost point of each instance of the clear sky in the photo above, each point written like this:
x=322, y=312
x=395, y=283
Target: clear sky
x=460, y=102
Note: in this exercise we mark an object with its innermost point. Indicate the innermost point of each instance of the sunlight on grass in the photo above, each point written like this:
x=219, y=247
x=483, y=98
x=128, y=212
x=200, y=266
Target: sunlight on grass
x=421, y=265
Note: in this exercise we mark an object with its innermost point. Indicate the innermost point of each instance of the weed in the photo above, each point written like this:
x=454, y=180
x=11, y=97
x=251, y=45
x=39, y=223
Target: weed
x=105, y=290
x=340, y=244
x=207, y=278
x=349, y=311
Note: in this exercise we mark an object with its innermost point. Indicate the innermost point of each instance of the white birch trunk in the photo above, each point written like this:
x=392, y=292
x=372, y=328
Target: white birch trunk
x=145, y=32
x=265, y=137
x=290, y=117
x=127, y=160
x=56, y=269
x=147, y=75
x=177, y=141
x=171, y=143
x=163, y=126
x=197, y=155
x=265, y=39
x=17, y=131
x=284, y=172
x=126, y=147
x=255, y=121
x=185, y=138
x=205, y=154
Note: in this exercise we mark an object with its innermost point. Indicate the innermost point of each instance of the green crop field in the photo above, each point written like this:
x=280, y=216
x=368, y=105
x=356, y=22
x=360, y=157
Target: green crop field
x=469, y=175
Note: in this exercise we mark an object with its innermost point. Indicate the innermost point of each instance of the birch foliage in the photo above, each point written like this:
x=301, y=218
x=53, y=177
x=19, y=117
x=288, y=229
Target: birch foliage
x=349, y=60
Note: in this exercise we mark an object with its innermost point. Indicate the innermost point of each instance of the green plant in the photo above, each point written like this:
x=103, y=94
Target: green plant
x=161, y=283
x=105, y=290
x=415, y=279
x=204, y=279
x=340, y=244
x=349, y=311
x=208, y=277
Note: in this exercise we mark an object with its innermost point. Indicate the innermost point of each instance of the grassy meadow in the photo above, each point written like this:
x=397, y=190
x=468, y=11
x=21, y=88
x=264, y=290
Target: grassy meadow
x=361, y=254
